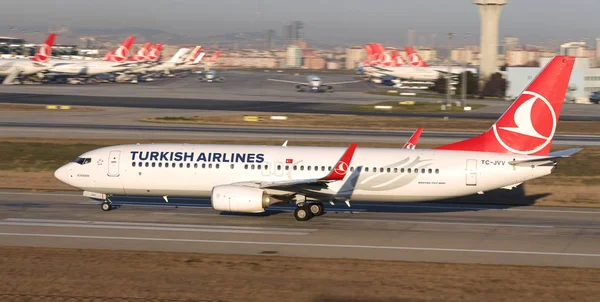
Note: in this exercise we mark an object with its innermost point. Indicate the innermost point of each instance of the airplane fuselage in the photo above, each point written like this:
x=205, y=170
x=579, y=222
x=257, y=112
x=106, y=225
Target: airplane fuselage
x=386, y=174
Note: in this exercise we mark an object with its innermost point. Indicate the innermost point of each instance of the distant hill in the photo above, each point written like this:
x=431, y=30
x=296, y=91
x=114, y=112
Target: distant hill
x=141, y=34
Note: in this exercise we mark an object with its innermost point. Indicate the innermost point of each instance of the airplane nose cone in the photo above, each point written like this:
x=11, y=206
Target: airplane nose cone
x=62, y=174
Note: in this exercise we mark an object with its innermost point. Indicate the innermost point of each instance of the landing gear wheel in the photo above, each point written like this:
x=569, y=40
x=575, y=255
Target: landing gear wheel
x=106, y=206
x=302, y=213
x=317, y=209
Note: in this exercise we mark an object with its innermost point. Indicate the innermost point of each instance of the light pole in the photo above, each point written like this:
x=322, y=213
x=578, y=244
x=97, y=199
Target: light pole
x=464, y=73
x=448, y=75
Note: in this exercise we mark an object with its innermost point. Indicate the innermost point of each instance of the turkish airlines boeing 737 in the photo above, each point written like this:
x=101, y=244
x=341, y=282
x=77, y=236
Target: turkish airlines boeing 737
x=242, y=178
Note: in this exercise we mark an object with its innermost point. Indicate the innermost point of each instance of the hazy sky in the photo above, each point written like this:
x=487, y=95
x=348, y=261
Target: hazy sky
x=337, y=20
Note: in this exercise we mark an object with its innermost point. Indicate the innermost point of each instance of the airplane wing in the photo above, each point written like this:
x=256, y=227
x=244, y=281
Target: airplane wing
x=310, y=187
x=540, y=160
x=284, y=81
x=341, y=83
x=414, y=139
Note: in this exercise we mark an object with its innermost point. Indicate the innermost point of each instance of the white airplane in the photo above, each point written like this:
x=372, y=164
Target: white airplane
x=313, y=84
x=115, y=61
x=192, y=61
x=210, y=76
x=10, y=69
x=242, y=178
x=168, y=66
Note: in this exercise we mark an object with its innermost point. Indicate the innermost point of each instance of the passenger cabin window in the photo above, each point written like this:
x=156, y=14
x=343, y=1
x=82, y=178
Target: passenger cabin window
x=181, y=165
x=232, y=166
x=173, y=165
x=160, y=165
x=147, y=164
x=437, y=171
x=308, y=168
x=395, y=170
x=153, y=165
x=133, y=164
x=217, y=166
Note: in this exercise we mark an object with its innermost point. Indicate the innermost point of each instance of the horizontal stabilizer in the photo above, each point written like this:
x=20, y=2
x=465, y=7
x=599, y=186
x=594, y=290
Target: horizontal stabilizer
x=552, y=157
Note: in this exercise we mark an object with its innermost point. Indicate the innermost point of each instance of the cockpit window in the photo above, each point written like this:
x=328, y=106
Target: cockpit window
x=83, y=160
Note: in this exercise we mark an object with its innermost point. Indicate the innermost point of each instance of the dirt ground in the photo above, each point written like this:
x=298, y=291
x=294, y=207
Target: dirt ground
x=45, y=274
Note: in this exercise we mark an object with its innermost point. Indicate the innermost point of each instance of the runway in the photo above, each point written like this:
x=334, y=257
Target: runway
x=249, y=92
x=171, y=131
x=438, y=232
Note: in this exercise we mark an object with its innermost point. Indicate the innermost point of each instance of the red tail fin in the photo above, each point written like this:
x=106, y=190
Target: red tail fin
x=528, y=125
x=413, y=57
x=154, y=53
x=45, y=51
x=122, y=53
x=142, y=53
x=414, y=139
x=398, y=60
x=194, y=54
x=215, y=57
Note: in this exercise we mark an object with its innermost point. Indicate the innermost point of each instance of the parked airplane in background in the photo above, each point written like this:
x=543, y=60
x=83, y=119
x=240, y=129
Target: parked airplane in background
x=313, y=84
x=191, y=61
x=11, y=69
x=167, y=66
x=242, y=178
x=413, y=57
x=384, y=67
x=115, y=61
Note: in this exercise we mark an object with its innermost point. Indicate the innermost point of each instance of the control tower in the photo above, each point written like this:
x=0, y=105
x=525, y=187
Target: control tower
x=489, y=12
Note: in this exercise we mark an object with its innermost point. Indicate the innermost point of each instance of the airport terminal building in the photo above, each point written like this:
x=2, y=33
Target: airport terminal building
x=585, y=79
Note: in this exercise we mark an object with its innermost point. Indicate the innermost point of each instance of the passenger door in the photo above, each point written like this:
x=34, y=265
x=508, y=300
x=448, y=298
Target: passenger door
x=471, y=172
x=113, y=163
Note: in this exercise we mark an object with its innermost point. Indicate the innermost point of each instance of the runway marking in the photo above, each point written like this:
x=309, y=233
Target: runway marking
x=213, y=229
x=444, y=223
x=67, y=221
x=40, y=194
x=363, y=204
x=458, y=207
x=273, y=243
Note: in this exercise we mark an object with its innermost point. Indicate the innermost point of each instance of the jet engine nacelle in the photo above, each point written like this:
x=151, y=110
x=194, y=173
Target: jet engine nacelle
x=327, y=88
x=239, y=199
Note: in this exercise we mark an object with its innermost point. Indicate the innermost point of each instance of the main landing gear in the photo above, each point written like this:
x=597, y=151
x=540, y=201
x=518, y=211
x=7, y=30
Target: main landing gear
x=306, y=211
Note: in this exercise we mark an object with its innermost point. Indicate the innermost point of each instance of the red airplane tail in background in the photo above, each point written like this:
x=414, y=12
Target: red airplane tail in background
x=528, y=125
x=194, y=54
x=42, y=55
x=154, y=53
x=215, y=57
x=142, y=54
x=413, y=57
x=398, y=60
x=122, y=52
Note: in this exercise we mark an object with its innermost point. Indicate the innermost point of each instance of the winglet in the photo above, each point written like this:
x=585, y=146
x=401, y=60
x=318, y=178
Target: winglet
x=341, y=167
x=414, y=139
